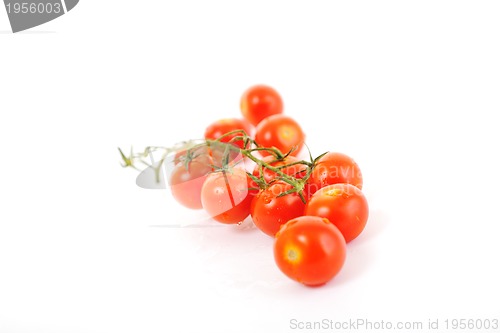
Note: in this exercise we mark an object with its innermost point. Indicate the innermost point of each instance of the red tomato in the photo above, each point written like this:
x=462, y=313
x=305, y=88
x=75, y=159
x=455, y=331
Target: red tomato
x=281, y=132
x=181, y=155
x=269, y=211
x=218, y=129
x=186, y=181
x=344, y=205
x=223, y=126
x=334, y=168
x=310, y=250
x=225, y=196
x=218, y=150
x=297, y=170
x=259, y=102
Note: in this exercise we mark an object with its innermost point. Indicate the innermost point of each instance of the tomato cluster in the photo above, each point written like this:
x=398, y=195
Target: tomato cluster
x=250, y=167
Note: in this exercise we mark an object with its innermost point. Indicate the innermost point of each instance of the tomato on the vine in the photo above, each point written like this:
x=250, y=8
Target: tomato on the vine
x=187, y=178
x=259, y=102
x=270, y=210
x=281, y=132
x=296, y=170
x=189, y=153
x=334, y=168
x=310, y=250
x=225, y=195
x=223, y=126
x=342, y=204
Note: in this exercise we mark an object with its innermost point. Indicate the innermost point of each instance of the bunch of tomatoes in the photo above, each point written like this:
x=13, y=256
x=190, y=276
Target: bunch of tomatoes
x=249, y=166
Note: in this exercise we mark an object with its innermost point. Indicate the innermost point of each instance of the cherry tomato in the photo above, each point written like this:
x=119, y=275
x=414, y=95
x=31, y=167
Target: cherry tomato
x=342, y=204
x=259, y=102
x=223, y=126
x=226, y=197
x=218, y=151
x=281, y=132
x=219, y=128
x=270, y=211
x=182, y=155
x=310, y=250
x=186, y=180
x=334, y=168
x=297, y=170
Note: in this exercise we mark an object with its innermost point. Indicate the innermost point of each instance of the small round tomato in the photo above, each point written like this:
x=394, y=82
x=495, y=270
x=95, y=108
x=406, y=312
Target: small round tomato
x=187, y=178
x=259, y=102
x=222, y=152
x=281, y=132
x=270, y=211
x=190, y=153
x=342, y=204
x=296, y=170
x=334, y=168
x=310, y=250
x=226, y=197
x=224, y=126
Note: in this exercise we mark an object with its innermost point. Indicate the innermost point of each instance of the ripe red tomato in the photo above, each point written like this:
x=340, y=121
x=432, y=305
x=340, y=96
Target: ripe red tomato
x=334, y=168
x=218, y=150
x=223, y=126
x=225, y=196
x=342, y=204
x=193, y=152
x=218, y=129
x=186, y=180
x=259, y=102
x=310, y=250
x=297, y=170
x=269, y=211
x=281, y=132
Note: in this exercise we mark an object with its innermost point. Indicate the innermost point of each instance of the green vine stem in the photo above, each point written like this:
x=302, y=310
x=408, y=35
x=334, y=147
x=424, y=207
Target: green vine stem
x=192, y=151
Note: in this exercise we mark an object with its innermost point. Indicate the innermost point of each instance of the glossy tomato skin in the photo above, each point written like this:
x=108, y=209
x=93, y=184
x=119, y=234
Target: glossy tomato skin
x=344, y=205
x=310, y=250
x=281, y=132
x=259, y=102
x=225, y=196
x=186, y=180
x=223, y=126
x=335, y=168
x=269, y=212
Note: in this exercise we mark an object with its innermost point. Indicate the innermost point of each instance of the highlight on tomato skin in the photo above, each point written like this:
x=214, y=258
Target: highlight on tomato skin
x=310, y=250
x=281, y=132
x=344, y=205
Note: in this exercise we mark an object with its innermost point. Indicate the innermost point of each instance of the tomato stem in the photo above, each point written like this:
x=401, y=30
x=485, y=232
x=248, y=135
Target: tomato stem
x=250, y=146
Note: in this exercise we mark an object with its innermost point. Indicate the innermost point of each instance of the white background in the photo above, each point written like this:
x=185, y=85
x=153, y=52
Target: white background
x=408, y=89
